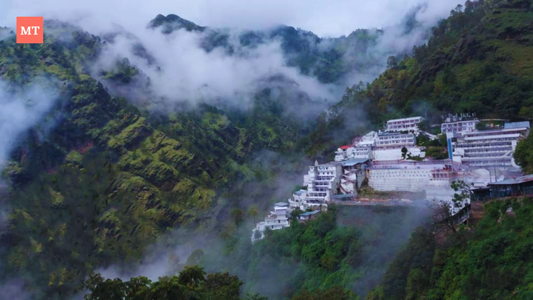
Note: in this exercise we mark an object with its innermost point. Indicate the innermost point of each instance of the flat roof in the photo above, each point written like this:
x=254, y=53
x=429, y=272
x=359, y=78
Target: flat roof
x=524, y=124
x=491, y=137
x=404, y=119
x=281, y=204
x=461, y=121
x=517, y=180
x=309, y=213
x=388, y=133
x=353, y=162
x=495, y=131
x=300, y=192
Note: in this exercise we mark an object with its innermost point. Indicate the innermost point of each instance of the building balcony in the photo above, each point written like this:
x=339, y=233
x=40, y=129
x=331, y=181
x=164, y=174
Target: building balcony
x=488, y=150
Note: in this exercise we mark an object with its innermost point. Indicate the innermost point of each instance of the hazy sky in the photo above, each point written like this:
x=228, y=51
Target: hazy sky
x=324, y=17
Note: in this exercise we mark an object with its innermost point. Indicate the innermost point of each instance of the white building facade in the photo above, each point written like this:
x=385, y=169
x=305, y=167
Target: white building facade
x=277, y=219
x=322, y=182
x=407, y=124
x=459, y=127
x=488, y=148
x=393, y=140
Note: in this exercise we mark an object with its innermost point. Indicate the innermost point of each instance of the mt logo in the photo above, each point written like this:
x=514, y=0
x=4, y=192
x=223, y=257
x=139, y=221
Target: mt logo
x=30, y=30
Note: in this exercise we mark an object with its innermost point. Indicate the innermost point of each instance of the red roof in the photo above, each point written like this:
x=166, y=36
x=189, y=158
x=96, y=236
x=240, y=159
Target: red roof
x=345, y=147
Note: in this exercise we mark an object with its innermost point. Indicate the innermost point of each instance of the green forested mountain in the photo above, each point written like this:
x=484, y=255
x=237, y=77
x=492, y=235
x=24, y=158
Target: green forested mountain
x=479, y=60
x=108, y=178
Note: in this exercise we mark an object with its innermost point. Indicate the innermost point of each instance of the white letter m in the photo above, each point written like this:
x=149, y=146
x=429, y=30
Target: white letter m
x=25, y=32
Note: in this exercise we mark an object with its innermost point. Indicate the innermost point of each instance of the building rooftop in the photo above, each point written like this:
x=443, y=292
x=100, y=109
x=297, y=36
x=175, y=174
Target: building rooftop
x=300, y=192
x=512, y=125
x=404, y=119
x=281, y=204
x=516, y=180
x=388, y=133
x=489, y=131
x=353, y=162
x=310, y=213
x=345, y=147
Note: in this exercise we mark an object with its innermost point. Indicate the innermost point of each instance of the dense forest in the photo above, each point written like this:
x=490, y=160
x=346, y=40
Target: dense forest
x=111, y=177
x=478, y=60
x=490, y=260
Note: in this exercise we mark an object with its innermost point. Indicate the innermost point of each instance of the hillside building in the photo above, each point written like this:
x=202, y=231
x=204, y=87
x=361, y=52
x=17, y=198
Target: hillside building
x=490, y=148
x=277, y=219
x=394, y=140
x=518, y=186
x=378, y=157
x=322, y=182
x=361, y=148
x=459, y=127
x=400, y=125
x=309, y=215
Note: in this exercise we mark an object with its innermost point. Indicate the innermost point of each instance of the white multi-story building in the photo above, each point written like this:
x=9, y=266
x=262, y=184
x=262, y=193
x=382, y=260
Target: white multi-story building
x=490, y=148
x=362, y=150
x=406, y=176
x=459, y=126
x=298, y=200
x=474, y=155
x=322, y=182
x=407, y=124
x=393, y=140
x=277, y=219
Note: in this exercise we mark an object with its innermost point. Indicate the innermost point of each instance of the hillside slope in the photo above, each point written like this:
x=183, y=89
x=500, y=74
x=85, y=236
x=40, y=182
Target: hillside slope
x=106, y=179
x=478, y=60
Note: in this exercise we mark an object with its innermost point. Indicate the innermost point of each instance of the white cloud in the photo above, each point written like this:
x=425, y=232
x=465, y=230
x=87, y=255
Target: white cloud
x=20, y=110
x=188, y=72
x=324, y=17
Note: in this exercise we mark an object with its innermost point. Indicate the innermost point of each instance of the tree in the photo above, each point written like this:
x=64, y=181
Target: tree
x=334, y=293
x=191, y=283
x=101, y=289
x=195, y=258
x=254, y=297
x=237, y=215
x=295, y=214
x=463, y=192
x=392, y=62
x=404, y=152
x=443, y=212
x=253, y=212
x=257, y=234
x=523, y=154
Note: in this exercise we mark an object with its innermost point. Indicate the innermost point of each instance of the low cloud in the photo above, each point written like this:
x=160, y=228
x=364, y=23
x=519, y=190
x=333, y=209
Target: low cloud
x=184, y=71
x=20, y=109
x=320, y=16
x=14, y=289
